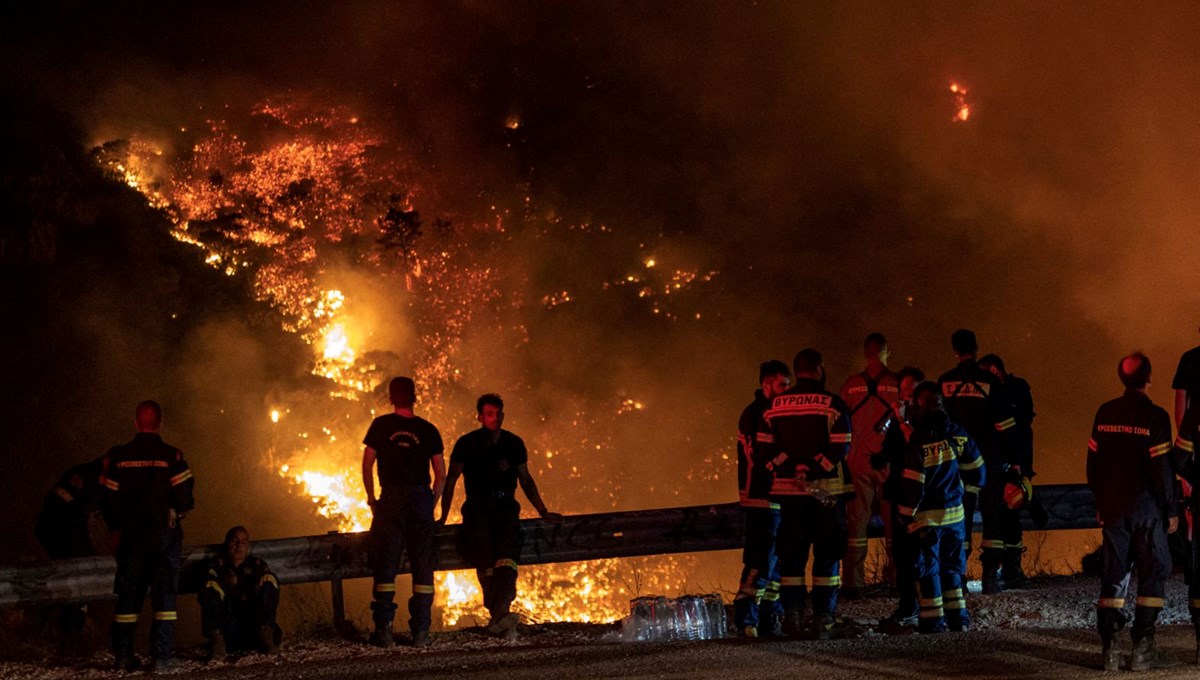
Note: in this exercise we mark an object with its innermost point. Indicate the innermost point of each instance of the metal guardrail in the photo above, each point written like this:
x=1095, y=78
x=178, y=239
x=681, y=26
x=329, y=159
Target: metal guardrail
x=335, y=557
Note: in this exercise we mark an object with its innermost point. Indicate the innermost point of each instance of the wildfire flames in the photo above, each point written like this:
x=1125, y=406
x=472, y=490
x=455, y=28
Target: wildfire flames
x=962, y=110
x=322, y=187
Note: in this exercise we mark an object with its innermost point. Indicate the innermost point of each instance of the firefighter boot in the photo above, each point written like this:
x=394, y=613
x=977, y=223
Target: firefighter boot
x=266, y=640
x=993, y=584
x=122, y=648
x=1014, y=574
x=770, y=624
x=1108, y=622
x=216, y=647
x=822, y=628
x=383, y=613
x=1145, y=654
x=793, y=623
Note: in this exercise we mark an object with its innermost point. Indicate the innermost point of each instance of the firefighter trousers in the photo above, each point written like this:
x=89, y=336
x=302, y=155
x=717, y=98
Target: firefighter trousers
x=940, y=568
x=758, y=591
x=1140, y=539
x=490, y=540
x=805, y=525
x=867, y=502
x=238, y=621
x=403, y=521
x=147, y=563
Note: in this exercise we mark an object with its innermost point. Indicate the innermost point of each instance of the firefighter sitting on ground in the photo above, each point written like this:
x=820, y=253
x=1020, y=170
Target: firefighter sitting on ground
x=940, y=459
x=1132, y=480
x=239, y=600
x=491, y=462
x=64, y=531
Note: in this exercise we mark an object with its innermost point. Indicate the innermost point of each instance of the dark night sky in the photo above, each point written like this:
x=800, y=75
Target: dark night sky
x=806, y=151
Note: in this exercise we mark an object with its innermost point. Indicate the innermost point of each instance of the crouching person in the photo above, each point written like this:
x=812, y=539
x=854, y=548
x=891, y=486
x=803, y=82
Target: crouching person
x=239, y=601
x=940, y=459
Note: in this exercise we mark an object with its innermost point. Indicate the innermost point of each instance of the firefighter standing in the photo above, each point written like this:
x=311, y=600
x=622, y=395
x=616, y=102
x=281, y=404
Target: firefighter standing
x=1131, y=477
x=756, y=606
x=806, y=433
x=405, y=447
x=492, y=461
x=239, y=600
x=1187, y=384
x=871, y=397
x=1185, y=465
x=891, y=462
x=1020, y=473
x=63, y=530
x=147, y=491
x=974, y=399
x=940, y=460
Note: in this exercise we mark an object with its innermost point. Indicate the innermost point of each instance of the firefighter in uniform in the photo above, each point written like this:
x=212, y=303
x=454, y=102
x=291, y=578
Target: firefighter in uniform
x=756, y=606
x=492, y=461
x=891, y=460
x=975, y=400
x=147, y=490
x=871, y=397
x=1020, y=472
x=64, y=531
x=404, y=447
x=239, y=600
x=940, y=460
x=1184, y=463
x=1132, y=477
x=805, y=436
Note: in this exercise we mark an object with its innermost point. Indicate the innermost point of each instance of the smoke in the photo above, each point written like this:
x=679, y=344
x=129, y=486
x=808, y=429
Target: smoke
x=805, y=154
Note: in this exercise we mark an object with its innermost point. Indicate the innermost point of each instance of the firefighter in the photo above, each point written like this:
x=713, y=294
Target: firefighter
x=975, y=400
x=1187, y=384
x=239, y=600
x=1184, y=464
x=1020, y=473
x=890, y=461
x=1131, y=477
x=756, y=606
x=940, y=460
x=871, y=397
x=64, y=531
x=492, y=461
x=404, y=447
x=147, y=491
x=805, y=436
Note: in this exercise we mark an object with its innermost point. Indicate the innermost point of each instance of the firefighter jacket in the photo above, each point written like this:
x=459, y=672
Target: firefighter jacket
x=975, y=400
x=872, y=404
x=1128, y=468
x=940, y=459
x=142, y=481
x=1020, y=400
x=754, y=480
x=1183, y=455
x=240, y=582
x=805, y=436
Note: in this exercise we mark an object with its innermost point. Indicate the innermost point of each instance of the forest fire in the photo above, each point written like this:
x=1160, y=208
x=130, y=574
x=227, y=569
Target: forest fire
x=287, y=213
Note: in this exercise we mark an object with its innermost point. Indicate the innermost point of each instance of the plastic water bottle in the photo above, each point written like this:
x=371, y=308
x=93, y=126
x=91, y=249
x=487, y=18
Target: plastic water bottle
x=717, y=620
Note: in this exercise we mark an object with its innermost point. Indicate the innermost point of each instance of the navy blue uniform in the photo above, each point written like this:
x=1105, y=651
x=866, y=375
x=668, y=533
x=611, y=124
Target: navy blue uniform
x=403, y=516
x=757, y=600
x=238, y=601
x=940, y=460
x=63, y=529
x=1132, y=478
x=805, y=438
x=490, y=536
x=1020, y=407
x=143, y=482
x=904, y=549
x=1184, y=464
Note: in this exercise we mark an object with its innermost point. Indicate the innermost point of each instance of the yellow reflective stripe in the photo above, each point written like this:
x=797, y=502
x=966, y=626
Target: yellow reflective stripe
x=126, y=618
x=786, y=581
x=938, y=453
x=110, y=483
x=422, y=589
x=933, y=613
x=385, y=587
x=1153, y=602
x=1160, y=449
x=906, y=511
x=268, y=578
x=970, y=488
x=770, y=596
x=827, y=581
x=63, y=494
x=953, y=593
x=1005, y=424
x=1092, y=445
x=1111, y=602
x=839, y=438
x=940, y=518
x=1185, y=444
x=773, y=506
x=748, y=502
x=860, y=542
x=511, y=564
x=956, y=604
x=971, y=465
x=935, y=602
x=212, y=573
x=217, y=587
x=764, y=437
x=773, y=585
x=165, y=616
x=181, y=478
x=918, y=477
x=990, y=544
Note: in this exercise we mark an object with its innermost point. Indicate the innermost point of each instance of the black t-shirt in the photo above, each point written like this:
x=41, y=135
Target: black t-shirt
x=1187, y=376
x=403, y=447
x=489, y=468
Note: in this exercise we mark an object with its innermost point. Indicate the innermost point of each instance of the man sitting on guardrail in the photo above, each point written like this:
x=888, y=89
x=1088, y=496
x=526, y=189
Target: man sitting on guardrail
x=239, y=600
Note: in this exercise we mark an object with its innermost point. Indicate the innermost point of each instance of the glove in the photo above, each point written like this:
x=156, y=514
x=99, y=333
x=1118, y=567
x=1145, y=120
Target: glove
x=879, y=461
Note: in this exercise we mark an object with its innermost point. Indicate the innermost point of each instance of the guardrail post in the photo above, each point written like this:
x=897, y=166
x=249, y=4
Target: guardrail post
x=339, y=600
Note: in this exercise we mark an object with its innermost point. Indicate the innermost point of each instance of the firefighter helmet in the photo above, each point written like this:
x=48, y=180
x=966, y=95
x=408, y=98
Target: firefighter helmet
x=1018, y=491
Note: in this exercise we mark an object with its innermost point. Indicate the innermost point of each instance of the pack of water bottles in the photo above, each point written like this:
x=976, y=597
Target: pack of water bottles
x=689, y=617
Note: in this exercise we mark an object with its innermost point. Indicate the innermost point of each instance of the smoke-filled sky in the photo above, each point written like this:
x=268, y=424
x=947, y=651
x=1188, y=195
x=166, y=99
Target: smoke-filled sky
x=805, y=152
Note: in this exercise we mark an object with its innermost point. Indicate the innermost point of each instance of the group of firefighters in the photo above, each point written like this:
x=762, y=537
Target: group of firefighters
x=814, y=467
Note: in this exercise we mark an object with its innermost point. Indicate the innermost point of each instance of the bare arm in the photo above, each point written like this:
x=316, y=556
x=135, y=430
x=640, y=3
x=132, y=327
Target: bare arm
x=439, y=474
x=368, y=473
x=1181, y=399
x=531, y=492
x=448, y=493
